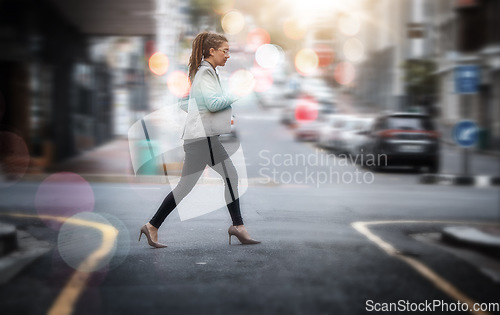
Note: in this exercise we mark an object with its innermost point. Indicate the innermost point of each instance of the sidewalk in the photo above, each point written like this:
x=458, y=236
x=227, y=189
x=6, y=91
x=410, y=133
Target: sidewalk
x=483, y=239
x=112, y=158
x=107, y=163
x=111, y=163
x=485, y=177
x=446, y=138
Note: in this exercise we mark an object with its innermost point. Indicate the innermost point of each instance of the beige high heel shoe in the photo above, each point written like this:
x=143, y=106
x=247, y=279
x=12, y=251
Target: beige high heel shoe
x=243, y=239
x=145, y=231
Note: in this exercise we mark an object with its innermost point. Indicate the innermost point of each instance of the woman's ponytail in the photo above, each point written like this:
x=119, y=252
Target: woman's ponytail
x=201, y=48
x=196, y=54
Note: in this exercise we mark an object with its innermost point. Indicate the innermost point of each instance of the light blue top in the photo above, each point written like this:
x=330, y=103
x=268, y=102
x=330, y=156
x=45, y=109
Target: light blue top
x=208, y=106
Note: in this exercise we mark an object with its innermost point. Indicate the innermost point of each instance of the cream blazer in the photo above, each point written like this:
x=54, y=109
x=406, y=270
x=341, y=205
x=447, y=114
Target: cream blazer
x=209, y=108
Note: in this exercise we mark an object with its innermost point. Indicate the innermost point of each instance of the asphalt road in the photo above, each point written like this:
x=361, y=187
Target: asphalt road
x=312, y=259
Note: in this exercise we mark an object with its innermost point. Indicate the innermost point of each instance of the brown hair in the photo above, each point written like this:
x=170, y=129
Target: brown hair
x=201, y=48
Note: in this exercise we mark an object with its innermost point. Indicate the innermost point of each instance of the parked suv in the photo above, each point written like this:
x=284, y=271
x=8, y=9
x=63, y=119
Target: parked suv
x=407, y=139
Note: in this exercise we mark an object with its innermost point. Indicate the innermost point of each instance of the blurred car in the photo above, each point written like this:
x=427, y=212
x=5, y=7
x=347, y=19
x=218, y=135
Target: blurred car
x=320, y=90
x=275, y=96
x=306, y=130
x=404, y=139
x=280, y=91
x=289, y=113
x=329, y=134
x=355, y=139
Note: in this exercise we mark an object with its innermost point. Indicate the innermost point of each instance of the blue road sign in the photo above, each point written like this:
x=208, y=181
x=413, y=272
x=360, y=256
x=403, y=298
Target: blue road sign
x=465, y=133
x=466, y=79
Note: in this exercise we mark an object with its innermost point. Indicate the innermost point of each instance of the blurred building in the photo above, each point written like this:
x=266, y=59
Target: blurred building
x=466, y=32
x=438, y=35
x=56, y=82
x=387, y=45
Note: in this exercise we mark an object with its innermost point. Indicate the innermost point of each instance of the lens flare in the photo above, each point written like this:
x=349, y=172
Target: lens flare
x=345, y=73
x=306, y=61
x=353, y=50
x=257, y=37
x=81, y=246
x=349, y=24
x=178, y=83
x=268, y=56
x=158, y=63
x=242, y=82
x=263, y=79
x=306, y=109
x=233, y=22
x=294, y=29
x=63, y=195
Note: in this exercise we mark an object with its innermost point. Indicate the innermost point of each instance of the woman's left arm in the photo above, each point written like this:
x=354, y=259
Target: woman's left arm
x=215, y=99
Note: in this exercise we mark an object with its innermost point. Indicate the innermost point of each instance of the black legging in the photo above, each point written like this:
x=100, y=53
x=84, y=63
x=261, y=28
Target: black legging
x=200, y=153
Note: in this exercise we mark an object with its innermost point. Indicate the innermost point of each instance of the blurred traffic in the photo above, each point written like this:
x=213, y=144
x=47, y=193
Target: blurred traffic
x=334, y=70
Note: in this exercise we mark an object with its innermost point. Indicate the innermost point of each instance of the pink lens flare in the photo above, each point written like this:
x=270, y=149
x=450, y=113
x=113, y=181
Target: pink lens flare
x=64, y=195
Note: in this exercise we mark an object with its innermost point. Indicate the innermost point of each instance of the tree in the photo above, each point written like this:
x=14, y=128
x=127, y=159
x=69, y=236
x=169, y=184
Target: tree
x=420, y=82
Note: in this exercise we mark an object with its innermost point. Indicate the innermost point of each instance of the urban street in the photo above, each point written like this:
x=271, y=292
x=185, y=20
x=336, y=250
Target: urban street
x=323, y=247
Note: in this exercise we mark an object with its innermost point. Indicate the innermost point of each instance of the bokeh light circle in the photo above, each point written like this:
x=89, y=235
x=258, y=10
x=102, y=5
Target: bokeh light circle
x=349, y=24
x=353, y=49
x=63, y=195
x=14, y=158
x=158, y=63
x=306, y=61
x=263, y=79
x=257, y=37
x=306, y=109
x=268, y=56
x=79, y=243
x=294, y=29
x=345, y=73
x=223, y=6
x=61, y=270
x=241, y=82
x=122, y=241
x=233, y=22
x=178, y=83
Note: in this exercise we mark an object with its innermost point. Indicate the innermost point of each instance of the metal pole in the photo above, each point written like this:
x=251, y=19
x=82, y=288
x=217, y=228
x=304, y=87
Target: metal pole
x=465, y=160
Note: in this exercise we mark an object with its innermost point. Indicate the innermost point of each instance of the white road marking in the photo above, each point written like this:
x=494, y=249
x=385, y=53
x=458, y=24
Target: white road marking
x=437, y=280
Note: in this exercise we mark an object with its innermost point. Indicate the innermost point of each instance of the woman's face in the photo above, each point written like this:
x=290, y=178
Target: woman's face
x=221, y=54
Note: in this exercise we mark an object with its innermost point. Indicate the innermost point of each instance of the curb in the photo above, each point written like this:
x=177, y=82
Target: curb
x=150, y=179
x=473, y=150
x=8, y=239
x=473, y=238
x=460, y=180
x=29, y=249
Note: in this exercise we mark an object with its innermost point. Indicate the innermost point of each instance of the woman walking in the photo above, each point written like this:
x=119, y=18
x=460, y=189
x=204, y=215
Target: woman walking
x=209, y=115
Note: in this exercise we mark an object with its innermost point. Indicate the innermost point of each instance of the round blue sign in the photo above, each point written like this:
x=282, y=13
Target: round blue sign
x=465, y=133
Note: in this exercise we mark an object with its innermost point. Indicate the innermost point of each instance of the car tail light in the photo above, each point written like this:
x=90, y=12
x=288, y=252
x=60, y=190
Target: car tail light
x=388, y=133
x=232, y=121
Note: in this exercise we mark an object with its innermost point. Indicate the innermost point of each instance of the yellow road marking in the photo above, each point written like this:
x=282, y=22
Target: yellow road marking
x=66, y=300
x=437, y=280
